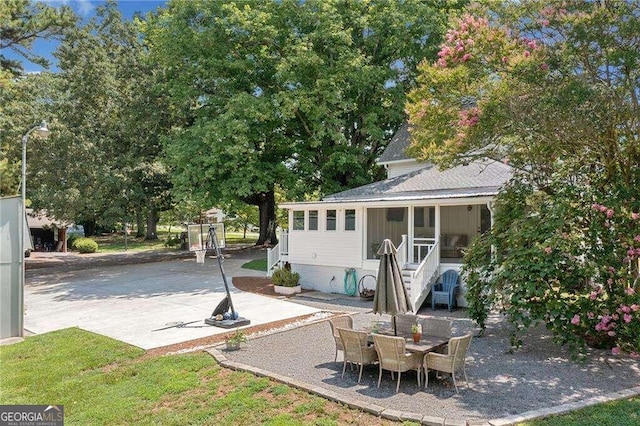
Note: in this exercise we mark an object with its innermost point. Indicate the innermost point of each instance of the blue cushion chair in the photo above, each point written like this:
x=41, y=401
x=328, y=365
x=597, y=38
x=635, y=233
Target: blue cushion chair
x=444, y=292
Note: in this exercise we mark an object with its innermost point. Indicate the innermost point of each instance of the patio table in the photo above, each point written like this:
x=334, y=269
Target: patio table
x=426, y=344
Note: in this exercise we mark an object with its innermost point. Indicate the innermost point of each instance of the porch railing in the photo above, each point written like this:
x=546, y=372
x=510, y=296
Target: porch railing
x=421, y=248
x=275, y=253
x=273, y=258
x=422, y=276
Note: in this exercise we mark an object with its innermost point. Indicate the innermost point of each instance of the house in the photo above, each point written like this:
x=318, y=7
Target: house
x=431, y=216
x=48, y=233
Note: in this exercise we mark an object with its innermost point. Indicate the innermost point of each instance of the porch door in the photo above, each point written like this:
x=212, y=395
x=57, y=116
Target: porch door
x=424, y=226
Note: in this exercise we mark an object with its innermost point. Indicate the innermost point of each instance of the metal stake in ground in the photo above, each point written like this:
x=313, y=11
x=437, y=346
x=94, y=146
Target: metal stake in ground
x=235, y=320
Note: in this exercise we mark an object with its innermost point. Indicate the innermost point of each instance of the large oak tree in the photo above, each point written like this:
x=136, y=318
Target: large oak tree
x=304, y=95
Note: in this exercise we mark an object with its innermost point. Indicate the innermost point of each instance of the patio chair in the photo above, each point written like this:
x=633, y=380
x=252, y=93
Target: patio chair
x=436, y=327
x=444, y=292
x=392, y=356
x=451, y=362
x=342, y=322
x=402, y=323
x=356, y=350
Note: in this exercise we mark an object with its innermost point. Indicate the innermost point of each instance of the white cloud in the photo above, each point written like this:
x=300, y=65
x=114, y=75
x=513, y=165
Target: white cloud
x=84, y=8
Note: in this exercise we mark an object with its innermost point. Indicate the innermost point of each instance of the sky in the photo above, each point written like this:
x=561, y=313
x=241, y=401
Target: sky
x=85, y=9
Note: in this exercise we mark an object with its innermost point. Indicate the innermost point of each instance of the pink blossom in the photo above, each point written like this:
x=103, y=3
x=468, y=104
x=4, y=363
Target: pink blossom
x=544, y=22
x=627, y=318
x=590, y=315
x=599, y=326
x=532, y=45
x=593, y=295
x=611, y=333
x=602, y=208
x=609, y=213
x=607, y=224
x=635, y=216
x=548, y=250
x=625, y=309
x=505, y=59
x=575, y=320
x=637, y=238
x=634, y=355
x=610, y=282
x=466, y=57
x=442, y=63
x=630, y=291
x=615, y=351
x=544, y=66
x=595, y=206
x=527, y=53
x=635, y=307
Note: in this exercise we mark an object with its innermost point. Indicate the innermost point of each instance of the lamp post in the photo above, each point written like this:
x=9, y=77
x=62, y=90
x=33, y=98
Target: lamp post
x=43, y=131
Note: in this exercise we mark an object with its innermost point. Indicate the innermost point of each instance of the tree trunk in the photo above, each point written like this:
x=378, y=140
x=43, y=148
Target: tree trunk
x=152, y=223
x=89, y=227
x=266, y=203
x=139, y=223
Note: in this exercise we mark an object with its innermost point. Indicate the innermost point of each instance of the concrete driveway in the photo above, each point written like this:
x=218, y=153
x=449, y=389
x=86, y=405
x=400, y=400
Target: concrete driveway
x=142, y=304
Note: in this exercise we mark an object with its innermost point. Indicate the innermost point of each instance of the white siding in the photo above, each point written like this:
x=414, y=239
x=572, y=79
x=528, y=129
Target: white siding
x=328, y=248
x=401, y=168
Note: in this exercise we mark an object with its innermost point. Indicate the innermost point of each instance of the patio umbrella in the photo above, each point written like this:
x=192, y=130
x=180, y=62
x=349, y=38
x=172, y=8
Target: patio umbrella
x=391, y=296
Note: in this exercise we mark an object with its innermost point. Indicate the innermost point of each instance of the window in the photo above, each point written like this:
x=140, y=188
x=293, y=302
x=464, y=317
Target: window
x=298, y=220
x=432, y=217
x=313, y=220
x=331, y=220
x=350, y=220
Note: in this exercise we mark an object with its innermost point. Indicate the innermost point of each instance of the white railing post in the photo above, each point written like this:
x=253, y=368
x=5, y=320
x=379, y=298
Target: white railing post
x=402, y=251
x=284, y=241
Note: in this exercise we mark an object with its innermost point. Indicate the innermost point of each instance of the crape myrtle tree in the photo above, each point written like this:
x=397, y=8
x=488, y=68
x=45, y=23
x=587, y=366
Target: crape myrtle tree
x=551, y=87
x=101, y=164
x=300, y=94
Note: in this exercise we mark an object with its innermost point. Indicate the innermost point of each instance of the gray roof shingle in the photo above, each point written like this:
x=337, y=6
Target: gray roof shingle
x=399, y=143
x=476, y=179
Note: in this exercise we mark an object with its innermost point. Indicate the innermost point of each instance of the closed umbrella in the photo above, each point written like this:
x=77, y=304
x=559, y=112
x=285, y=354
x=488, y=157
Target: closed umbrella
x=391, y=296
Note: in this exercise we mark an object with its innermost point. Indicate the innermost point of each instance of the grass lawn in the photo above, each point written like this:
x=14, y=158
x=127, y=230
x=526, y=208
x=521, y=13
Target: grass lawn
x=110, y=243
x=102, y=381
x=256, y=264
x=617, y=413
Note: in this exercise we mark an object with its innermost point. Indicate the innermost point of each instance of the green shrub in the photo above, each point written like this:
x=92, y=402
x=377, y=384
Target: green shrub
x=85, y=245
x=285, y=278
x=72, y=240
x=172, y=241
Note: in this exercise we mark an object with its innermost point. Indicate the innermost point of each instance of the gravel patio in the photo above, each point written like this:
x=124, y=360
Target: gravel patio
x=502, y=382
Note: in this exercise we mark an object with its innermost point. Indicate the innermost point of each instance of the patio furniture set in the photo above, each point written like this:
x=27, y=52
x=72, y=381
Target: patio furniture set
x=395, y=350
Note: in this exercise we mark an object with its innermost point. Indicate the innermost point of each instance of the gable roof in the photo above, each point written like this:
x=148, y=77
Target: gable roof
x=474, y=180
x=395, y=151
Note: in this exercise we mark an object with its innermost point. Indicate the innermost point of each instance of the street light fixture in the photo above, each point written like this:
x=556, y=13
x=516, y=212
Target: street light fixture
x=43, y=131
